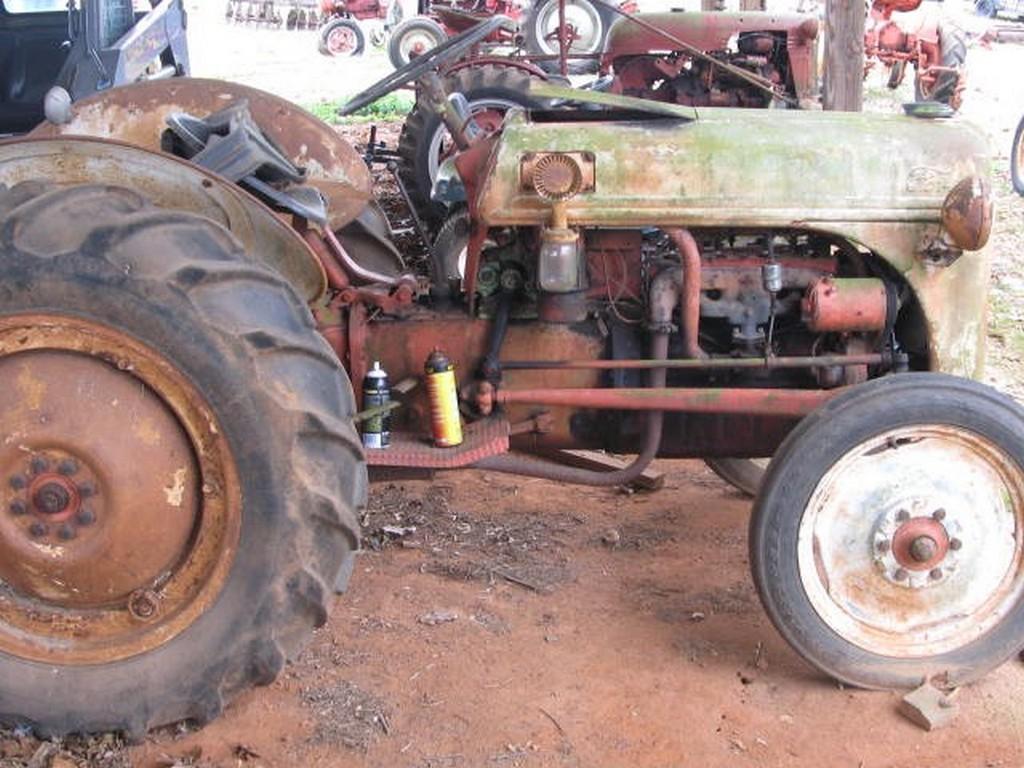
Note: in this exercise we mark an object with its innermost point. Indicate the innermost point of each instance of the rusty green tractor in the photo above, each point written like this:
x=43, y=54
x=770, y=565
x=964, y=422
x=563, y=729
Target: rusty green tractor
x=195, y=271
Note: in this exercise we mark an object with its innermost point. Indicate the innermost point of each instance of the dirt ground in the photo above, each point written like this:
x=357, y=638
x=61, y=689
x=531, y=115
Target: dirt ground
x=496, y=621
x=504, y=622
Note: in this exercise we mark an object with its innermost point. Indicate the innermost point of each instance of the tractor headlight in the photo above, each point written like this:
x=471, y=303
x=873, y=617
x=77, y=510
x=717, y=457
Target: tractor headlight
x=967, y=213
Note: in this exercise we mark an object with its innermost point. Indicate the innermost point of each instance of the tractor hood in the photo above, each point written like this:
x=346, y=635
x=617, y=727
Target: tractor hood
x=832, y=171
x=706, y=31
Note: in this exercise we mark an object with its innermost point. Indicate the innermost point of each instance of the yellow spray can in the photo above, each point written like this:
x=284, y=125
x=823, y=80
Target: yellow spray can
x=445, y=423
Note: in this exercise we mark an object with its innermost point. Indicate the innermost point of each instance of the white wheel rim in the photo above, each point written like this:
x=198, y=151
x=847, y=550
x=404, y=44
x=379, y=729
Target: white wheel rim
x=933, y=481
x=438, y=142
x=418, y=42
x=583, y=17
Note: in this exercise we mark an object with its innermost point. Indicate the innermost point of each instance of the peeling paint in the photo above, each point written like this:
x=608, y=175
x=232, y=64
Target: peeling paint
x=176, y=490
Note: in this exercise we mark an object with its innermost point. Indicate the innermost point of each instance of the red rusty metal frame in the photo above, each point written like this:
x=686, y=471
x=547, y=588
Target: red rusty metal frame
x=769, y=402
x=822, y=361
x=481, y=439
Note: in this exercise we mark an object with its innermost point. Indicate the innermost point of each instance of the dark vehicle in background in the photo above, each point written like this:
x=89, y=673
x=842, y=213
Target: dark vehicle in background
x=89, y=47
x=993, y=8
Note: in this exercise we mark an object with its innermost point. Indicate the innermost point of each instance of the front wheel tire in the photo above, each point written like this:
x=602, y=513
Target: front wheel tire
x=887, y=542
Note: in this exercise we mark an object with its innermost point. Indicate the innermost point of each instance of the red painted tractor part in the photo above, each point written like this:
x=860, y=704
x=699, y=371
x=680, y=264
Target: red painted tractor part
x=936, y=49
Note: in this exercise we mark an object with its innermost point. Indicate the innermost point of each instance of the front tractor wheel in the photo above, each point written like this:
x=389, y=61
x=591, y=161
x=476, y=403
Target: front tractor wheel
x=887, y=542
x=179, y=470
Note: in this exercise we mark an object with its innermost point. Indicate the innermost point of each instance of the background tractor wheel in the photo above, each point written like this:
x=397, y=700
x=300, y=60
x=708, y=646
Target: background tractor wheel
x=491, y=91
x=954, y=53
x=745, y=475
x=412, y=38
x=886, y=542
x=1017, y=159
x=196, y=471
x=342, y=38
x=590, y=20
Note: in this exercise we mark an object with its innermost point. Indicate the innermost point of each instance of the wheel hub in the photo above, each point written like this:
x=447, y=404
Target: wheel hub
x=342, y=41
x=109, y=516
x=917, y=550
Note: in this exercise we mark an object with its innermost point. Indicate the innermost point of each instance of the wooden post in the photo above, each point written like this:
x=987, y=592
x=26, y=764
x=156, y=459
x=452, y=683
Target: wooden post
x=844, y=55
x=752, y=5
x=712, y=5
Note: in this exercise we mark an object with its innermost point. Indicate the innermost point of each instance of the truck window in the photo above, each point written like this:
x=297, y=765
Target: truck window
x=34, y=6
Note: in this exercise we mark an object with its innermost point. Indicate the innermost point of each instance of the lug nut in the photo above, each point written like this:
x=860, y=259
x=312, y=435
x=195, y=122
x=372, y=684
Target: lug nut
x=938, y=514
x=18, y=507
x=67, y=467
x=38, y=530
x=902, y=516
x=67, y=532
x=900, y=574
x=85, y=490
x=18, y=482
x=143, y=605
x=955, y=544
x=883, y=545
x=935, y=573
x=86, y=516
x=38, y=465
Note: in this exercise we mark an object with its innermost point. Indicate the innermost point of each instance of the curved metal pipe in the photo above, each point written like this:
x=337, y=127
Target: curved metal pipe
x=353, y=267
x=680, y=286
x=548, y=470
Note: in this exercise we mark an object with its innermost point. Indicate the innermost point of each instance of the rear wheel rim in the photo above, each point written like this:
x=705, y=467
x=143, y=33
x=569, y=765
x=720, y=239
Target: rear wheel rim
x=120, y=507
x=910, y=545
x=584, y=19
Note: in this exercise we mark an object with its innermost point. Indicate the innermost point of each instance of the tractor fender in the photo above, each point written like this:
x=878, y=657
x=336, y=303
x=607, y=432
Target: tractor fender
x=171, y=183
x=137, y=114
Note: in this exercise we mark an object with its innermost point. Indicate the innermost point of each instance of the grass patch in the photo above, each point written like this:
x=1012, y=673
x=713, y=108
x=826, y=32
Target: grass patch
x=1006, y=321
x=394, y=106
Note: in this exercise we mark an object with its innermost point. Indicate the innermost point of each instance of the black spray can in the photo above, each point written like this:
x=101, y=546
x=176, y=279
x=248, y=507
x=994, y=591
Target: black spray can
x=376, y=392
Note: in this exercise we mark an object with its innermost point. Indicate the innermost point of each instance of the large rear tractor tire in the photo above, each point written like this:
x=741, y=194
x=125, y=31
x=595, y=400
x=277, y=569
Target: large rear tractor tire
x=887, y=542
x=491, y=91
x=180, y=472
x=953, y=47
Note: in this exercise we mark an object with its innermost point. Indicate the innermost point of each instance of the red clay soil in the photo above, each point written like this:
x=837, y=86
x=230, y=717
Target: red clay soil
x=503, y=622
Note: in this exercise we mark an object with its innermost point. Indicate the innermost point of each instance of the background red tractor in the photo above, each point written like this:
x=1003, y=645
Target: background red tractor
x=348, y=23
x=934, y=48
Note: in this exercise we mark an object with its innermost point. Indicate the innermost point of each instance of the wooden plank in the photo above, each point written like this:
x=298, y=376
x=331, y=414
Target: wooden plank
x=844, y=56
